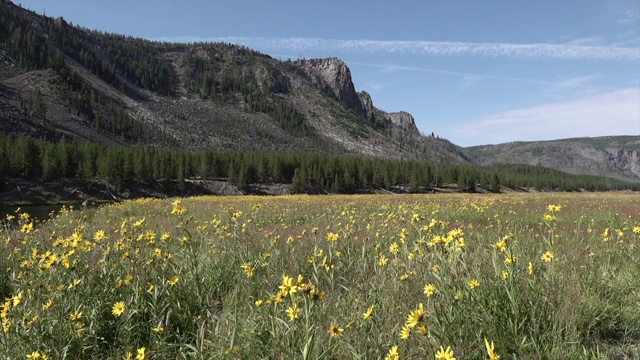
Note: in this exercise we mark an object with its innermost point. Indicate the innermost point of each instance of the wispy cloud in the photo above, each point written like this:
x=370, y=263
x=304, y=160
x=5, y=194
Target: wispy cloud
x=576, y=82
x=587, y=41
x=431, y=48
x=611, y=113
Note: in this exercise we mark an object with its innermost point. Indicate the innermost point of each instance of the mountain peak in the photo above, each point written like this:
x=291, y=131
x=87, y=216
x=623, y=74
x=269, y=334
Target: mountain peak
x=335, y=75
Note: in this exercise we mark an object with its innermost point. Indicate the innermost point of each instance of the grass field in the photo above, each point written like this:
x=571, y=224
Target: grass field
x=539, y=276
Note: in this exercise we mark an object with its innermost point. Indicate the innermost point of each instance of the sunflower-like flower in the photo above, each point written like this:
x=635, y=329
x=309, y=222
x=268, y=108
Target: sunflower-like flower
x=118, y=308
x=287, y=287
x=473, y=284
x=429, y=289
x=445, y=354
x=393, y=354
x=335, y=330
x=416, y=316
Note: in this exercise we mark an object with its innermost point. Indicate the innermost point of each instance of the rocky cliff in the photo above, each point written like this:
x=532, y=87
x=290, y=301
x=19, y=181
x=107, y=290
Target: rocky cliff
x=403, y=120
x=334, y=74
x=367, y=105
x=64, y=80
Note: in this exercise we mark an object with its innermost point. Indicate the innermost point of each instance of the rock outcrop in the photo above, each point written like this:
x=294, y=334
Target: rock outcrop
x=335, y=75
x=367, y=105
x=403, y=120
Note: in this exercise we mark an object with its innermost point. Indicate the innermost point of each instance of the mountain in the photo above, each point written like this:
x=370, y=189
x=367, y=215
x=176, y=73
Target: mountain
x=611, y=156
x=58, y=80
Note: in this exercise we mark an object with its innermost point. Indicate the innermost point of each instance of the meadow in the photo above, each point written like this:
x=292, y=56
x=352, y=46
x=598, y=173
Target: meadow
x=461, y=276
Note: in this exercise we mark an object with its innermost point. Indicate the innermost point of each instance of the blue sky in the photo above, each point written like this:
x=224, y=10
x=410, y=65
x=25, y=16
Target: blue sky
x=473, y=72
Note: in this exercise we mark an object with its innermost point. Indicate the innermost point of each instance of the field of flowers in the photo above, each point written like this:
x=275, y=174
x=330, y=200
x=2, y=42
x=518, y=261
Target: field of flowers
x=520, y=276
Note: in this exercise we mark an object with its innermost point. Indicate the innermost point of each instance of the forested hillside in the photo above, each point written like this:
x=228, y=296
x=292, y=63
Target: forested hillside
x=309, y=173
x=58, y=79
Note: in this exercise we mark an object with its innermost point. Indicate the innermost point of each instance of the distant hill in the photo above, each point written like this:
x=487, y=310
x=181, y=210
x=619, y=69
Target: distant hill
x=611, y=156
x=57, y=79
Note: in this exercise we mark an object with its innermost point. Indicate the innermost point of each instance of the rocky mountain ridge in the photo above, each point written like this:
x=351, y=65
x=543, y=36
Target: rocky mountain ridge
x=611, y=156
x=92, y=86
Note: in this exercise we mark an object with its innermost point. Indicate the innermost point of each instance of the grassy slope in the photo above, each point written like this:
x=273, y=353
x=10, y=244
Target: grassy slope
x=208, y=287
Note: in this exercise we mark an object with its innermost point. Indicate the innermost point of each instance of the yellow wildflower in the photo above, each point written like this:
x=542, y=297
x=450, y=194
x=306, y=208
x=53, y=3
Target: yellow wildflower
x=393, y=354
x=473, y=284
x=99, y=235
x=554, y=208
x=547, y=257
x=118, y=308
x=173, y=280
x=75, y=316
x=177, y=208
x=141, y=355
x=429, y=289
x=293, y=312
x=15, y=300
x=367, y=314
x=335, y=331
x=332, y=236
x=491, y=350
x=416, y=316
x=405, y=333
x=37, y=355
x=287, y=287
x=394, y=248
x=443, y=354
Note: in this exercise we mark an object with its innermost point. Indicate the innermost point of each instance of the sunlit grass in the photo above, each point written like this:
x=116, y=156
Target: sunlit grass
x=467, y=276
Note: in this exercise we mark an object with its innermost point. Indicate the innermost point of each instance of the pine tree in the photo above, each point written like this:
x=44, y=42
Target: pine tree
x=495, y=183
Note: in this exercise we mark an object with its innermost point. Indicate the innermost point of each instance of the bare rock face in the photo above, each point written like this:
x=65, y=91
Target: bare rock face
x=335, y=74
x=626, y=161
x=367, y=105
x=403, y=120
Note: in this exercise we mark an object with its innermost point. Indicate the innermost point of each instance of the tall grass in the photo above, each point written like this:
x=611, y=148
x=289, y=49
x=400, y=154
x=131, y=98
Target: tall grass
x=542, y=276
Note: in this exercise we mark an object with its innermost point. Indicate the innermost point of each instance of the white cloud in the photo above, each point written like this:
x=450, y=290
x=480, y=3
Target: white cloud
x=431, y=48
x=593, y=40
x=611, y=113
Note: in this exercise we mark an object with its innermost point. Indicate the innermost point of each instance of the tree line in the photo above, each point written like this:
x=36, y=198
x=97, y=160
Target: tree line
x=21, y=157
